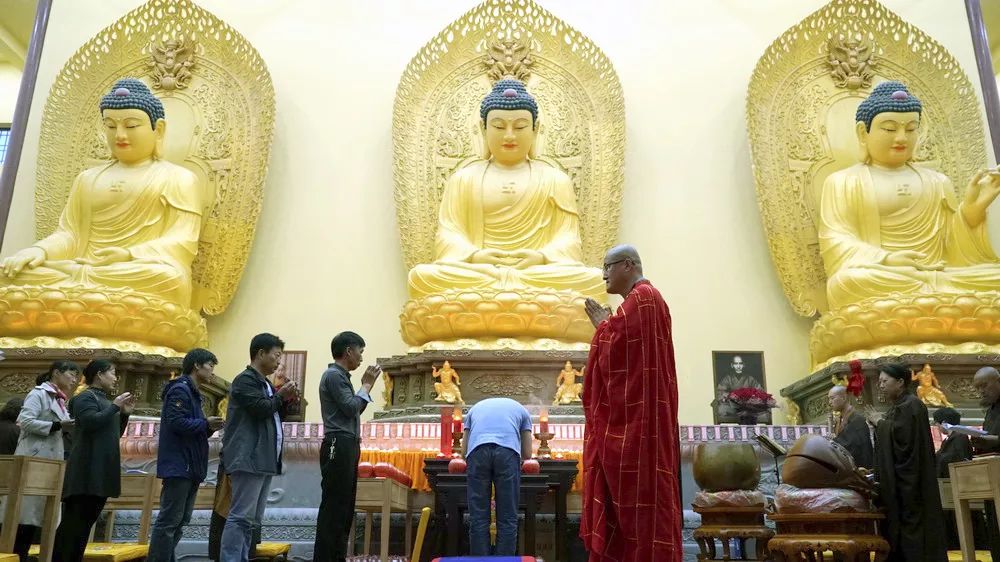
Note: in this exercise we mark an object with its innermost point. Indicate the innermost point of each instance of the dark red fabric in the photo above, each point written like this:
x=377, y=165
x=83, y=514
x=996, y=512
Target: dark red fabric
x=631, y=497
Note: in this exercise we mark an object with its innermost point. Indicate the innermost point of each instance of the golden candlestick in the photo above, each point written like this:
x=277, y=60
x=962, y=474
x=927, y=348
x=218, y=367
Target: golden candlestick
x=543, y=447
x=456, y=442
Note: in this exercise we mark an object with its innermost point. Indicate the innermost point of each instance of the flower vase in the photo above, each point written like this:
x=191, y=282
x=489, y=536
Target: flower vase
x=748, y=418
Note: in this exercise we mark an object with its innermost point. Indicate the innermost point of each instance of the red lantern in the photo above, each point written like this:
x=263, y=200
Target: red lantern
x=531, y=466
x=457, y=466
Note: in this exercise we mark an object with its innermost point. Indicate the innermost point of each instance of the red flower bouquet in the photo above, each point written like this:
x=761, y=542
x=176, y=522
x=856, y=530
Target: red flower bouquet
x=749, y=403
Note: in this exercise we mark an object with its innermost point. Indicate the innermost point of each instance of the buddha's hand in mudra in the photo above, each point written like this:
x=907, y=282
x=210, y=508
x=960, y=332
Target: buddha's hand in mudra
x=914, y=259
x=519, y=259
x=980, y=194
x=27, y=258
x=106, y=256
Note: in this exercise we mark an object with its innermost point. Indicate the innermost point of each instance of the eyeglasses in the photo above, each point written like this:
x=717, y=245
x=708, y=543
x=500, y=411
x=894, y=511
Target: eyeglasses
x=607, y=266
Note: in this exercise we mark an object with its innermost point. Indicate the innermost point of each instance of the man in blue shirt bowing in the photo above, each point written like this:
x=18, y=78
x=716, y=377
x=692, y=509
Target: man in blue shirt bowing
x=497, y=438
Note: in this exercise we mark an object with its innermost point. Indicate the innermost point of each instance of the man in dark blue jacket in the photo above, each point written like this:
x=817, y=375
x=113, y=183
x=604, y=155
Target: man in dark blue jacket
x=182, y=458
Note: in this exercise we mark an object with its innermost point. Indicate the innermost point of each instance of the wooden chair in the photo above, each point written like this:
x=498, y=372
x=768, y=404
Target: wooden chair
x=30, y=476
x=972, y=482
x=138, y=492
x=385, y=496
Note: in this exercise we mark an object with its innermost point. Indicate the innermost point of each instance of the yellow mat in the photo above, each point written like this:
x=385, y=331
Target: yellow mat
x=981, y=556
x=107, y=552
x=270, y=550
x=8, y=558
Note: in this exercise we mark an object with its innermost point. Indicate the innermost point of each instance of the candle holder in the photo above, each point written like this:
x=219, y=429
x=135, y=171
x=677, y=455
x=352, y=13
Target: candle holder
x=456, y=442
x=543, y=446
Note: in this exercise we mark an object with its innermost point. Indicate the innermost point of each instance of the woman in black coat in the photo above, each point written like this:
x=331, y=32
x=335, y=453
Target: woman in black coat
x=907, y=473
x=93, y=472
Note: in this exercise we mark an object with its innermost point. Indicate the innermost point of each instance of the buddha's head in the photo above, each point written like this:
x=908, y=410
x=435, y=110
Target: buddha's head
x=510, y=121
x=888, y=125
x=133, y=121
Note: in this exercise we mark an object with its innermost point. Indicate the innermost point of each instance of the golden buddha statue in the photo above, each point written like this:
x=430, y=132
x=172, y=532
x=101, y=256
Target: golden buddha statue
x=508, y=229
x=447, y=390
x=928, y=390
x=890, y=226
x=129, y=224
x=568, y=390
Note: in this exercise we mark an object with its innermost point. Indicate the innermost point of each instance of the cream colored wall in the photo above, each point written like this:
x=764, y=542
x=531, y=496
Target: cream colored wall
x=326, y=257
x=10, y=81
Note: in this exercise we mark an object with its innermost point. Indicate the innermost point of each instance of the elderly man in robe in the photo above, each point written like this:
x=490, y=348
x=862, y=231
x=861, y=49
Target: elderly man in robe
x=851, y=430
x=987, y=383
x=631, y=506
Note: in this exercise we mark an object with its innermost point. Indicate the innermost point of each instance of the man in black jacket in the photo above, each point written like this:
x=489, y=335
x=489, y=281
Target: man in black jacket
x=182, y=460
x=251, y=444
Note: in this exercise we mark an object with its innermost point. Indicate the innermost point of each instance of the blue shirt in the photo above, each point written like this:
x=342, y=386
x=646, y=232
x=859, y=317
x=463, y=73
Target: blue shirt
x=499, y=421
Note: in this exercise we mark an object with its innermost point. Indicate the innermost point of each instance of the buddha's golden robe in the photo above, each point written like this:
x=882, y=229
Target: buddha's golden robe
x=855, y=238
x=158, y=221
x=543, y=217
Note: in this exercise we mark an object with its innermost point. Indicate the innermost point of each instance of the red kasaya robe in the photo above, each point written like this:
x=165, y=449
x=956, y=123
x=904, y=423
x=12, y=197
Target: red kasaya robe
x=631, y=497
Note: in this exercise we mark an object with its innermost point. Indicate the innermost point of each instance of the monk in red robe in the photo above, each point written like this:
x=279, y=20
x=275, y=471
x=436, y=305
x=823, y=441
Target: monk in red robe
x=631, y=498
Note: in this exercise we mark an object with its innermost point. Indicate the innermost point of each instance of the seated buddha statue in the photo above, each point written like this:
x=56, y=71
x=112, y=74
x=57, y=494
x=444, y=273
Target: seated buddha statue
x=508, y=222
x=129, y=225
x=888, y=225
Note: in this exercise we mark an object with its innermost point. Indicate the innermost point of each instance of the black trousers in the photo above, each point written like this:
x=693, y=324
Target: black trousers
x=26, y=535
x=79, y=515
x=338, y=462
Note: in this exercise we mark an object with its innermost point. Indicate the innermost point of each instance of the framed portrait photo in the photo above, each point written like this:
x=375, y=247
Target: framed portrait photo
x=732, y=370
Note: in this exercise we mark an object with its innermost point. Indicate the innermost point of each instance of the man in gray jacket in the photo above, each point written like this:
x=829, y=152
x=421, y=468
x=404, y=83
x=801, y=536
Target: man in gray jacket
x=341, y=449
x=251, y=445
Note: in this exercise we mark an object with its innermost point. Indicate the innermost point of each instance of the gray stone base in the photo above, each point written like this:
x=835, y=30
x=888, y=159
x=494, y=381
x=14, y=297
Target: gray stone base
x=298, y=527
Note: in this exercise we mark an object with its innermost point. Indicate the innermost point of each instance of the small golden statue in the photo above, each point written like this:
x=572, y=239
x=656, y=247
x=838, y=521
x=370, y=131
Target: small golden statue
x=928, y=389
x=793, y=413
x=569, y=390
x=447, y=390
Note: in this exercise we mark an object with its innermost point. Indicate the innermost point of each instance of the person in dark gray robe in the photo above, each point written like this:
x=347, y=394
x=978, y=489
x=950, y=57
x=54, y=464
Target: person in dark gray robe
x=906, y=471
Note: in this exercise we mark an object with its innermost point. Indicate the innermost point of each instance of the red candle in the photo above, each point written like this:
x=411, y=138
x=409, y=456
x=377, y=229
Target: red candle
x=543, y=421
x=456, y=425
x=446, y=431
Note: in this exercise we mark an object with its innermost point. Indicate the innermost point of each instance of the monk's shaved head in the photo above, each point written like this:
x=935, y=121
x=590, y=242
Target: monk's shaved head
x=987, y=382
x=622, y=269
x=987, y=374
x=838, y=400
x=623, y=252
